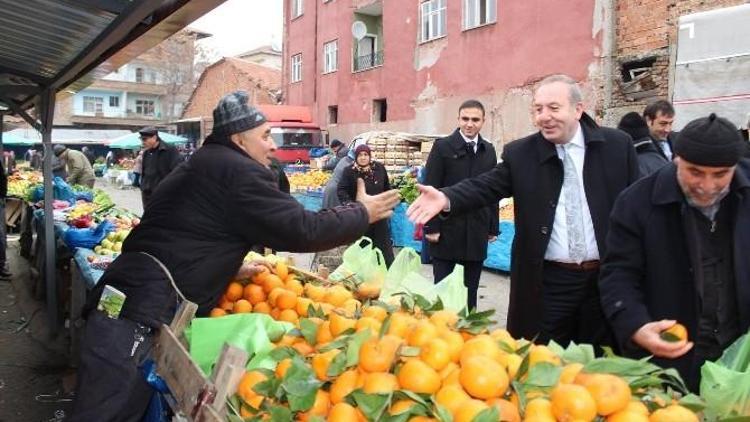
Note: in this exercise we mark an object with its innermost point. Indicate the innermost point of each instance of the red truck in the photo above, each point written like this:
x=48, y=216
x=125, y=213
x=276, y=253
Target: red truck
x=294, y=132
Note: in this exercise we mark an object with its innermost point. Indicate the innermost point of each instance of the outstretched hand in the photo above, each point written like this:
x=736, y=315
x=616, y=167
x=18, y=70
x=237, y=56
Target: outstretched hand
x=378, y=206
x=429, y=204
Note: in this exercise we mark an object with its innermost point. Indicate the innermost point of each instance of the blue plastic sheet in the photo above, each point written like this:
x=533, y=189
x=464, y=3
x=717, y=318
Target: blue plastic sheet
x=311, y=200
x=89, y=237
x=498, y=252
x=402, y=230
x=60, y=190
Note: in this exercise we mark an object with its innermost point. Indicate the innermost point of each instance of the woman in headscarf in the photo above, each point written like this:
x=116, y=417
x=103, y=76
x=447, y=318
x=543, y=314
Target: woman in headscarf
x=375, y=177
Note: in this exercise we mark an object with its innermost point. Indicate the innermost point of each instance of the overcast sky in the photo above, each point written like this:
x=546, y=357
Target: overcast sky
x=241, y=25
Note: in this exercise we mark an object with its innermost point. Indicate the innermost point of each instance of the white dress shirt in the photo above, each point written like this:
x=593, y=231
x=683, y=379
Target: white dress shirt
x=475, y=140
x=557, y=249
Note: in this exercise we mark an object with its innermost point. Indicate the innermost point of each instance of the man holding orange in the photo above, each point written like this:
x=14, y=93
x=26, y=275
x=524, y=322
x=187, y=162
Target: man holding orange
x=676, y=253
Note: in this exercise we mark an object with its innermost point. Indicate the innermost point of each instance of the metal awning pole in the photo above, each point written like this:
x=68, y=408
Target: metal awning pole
x=47, y=111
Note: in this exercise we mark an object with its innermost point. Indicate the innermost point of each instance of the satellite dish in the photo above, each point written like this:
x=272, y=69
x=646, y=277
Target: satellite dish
x=359, y=30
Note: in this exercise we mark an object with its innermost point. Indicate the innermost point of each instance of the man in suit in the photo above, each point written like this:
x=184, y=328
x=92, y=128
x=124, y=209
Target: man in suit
x=659, y=117
x=461, y=239
x=564, y=180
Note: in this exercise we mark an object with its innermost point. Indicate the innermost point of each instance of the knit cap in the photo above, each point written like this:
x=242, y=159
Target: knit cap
x=234, y=115
x=710, y=141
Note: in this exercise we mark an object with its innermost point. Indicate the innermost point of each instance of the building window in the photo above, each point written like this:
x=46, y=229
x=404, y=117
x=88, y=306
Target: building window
x=114, y=101
x=296, y=68
x=330, y=55
x=93, y=105
x=479, y=12
x=379, y=110
x=139, y=75
x=333, y=114
x=296, y=8
x=144, y=107
x=433, y=19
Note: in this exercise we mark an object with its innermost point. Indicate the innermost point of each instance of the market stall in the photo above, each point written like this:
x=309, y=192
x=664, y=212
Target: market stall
x=290, y=345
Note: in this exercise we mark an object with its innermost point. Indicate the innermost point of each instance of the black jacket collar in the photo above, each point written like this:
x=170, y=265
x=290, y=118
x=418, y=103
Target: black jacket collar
x=226, y=142
x=592, y=134
x=458, y=143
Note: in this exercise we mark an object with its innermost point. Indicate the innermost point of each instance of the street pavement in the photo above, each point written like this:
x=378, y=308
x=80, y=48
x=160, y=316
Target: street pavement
x=494, y=286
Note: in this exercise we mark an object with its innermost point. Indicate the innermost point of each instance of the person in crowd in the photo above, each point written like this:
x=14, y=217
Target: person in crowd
x=159, y=159
x=462, y=238
x=659, y=117
x=9, y=161
x=191, y=242
x=330, y=191
x=89, y=154
x=564, y=180
x=376, y=181
x=109, y=160
x=37, y=159
x=650, y=159
x=5, y=273
x=138, y=169
x=676, y=252
x=79, y=169
x=339, y=152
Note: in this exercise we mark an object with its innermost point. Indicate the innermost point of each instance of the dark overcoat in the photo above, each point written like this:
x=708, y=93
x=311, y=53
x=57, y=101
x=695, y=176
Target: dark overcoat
x=463, y=237
x=531, y=172
x=649, y=271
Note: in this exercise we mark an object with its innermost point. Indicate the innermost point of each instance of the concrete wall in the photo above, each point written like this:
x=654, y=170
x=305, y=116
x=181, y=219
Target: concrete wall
x=424, y=83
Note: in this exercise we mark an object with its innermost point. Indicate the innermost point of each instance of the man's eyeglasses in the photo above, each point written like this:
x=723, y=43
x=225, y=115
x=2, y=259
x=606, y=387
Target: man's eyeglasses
x=471, y=119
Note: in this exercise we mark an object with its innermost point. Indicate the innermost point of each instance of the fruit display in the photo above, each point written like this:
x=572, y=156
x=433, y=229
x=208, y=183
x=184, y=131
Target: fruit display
x=314, y=179
x=20, y=182
x=350, y=359
x=112, y=244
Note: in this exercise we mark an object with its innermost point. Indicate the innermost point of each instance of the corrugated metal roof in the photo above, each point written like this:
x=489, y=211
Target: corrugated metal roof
x=65, y=44
x=40, y=36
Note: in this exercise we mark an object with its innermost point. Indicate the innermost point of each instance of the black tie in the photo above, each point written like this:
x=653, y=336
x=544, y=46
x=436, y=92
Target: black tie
x=470, y=146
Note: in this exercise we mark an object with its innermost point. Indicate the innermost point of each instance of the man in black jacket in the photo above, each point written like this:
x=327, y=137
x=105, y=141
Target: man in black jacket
x=461, y=239
x=659, y=117
x=564, y=180
x=200, y=225
x=677, y=252
x=159, y=159
x=650, y=159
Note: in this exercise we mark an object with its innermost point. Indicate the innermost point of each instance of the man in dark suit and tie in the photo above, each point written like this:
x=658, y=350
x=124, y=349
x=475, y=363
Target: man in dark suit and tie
x=564, y=180
x=461, y=239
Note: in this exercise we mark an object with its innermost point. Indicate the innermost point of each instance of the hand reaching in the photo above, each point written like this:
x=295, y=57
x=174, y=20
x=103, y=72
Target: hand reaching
x=378, y=206
x=429, y=204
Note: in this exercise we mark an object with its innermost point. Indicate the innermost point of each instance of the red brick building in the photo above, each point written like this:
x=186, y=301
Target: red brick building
x=229, y=74
x=415, y=62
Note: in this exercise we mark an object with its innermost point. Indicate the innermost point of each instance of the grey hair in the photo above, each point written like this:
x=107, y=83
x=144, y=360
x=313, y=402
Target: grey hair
x=575, y=94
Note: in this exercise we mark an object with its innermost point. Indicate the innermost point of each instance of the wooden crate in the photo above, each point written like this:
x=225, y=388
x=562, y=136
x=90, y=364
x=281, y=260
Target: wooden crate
x=195, y=397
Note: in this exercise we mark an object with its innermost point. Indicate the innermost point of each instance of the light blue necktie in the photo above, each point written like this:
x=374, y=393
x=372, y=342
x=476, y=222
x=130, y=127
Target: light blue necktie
x=573, y=212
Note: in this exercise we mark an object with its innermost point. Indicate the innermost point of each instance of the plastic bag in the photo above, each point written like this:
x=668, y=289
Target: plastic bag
x=250, y=332
x=60, y=190
x=405, y=276
x=725, y=384
x=87, y=238
x=362, y=262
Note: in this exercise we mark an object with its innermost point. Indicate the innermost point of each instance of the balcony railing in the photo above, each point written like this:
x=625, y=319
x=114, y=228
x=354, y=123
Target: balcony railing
x=368, y=61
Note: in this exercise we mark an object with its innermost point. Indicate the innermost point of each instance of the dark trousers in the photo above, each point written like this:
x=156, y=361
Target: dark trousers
x=441, y=268
x=571, y=310
x=110, y=386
